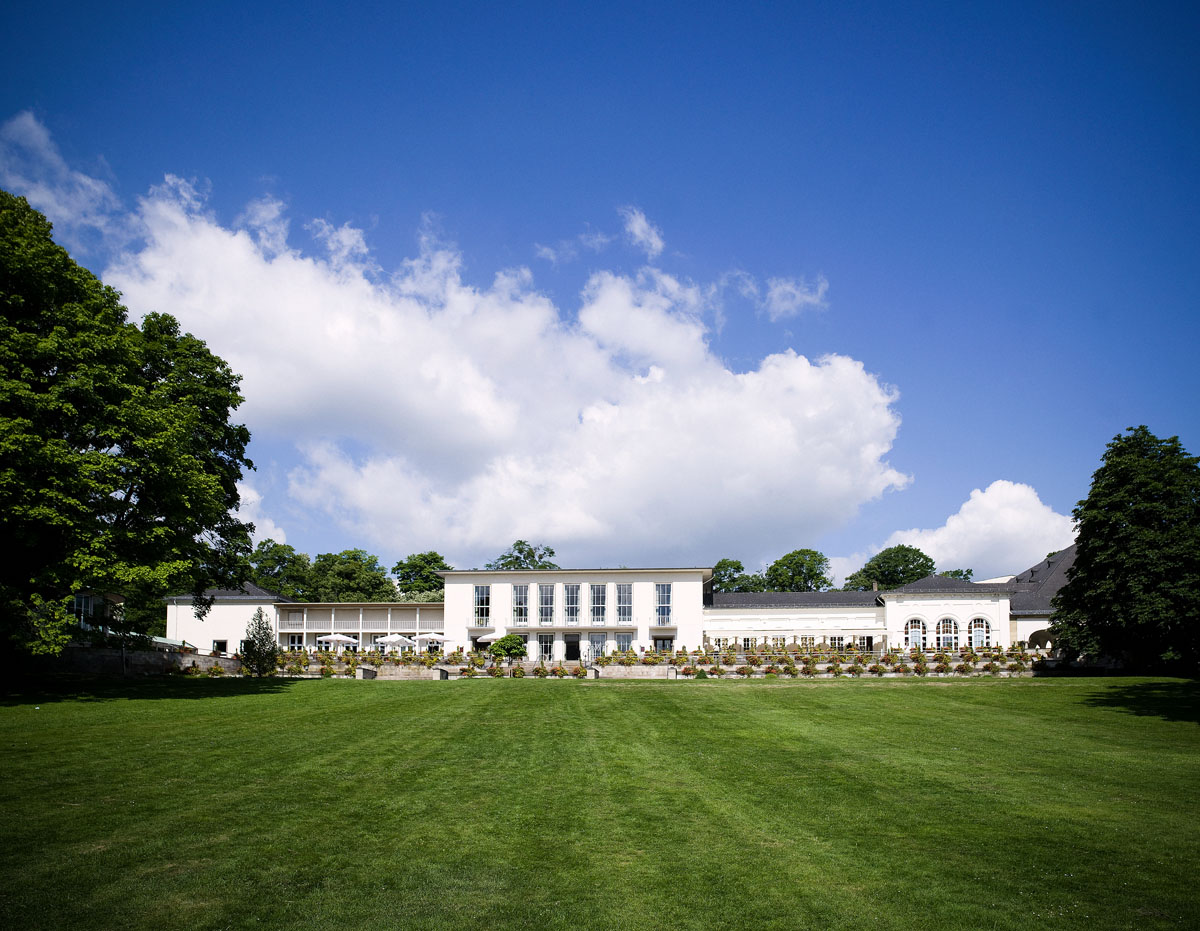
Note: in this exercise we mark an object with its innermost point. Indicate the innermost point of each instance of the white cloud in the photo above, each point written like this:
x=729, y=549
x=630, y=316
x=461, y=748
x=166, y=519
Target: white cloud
x=786, y=297
x=641, y=232
x=80, y=206
x=429, y=412
x=1001, y=530
x=251, y=510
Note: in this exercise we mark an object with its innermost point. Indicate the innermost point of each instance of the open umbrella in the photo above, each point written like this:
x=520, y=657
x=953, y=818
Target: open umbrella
x=488, y=638
x=336, y=639
x=397, y=639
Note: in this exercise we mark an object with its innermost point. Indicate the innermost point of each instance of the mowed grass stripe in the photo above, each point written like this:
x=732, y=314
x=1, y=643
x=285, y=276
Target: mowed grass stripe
x=510, y=804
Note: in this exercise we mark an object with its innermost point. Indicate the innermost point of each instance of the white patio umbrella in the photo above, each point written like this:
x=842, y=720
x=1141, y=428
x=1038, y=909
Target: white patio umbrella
x=397, y=639
x=488, y=638
x=336, y=638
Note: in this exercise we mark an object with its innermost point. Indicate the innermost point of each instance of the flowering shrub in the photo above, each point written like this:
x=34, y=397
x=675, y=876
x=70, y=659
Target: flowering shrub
x=901, y=668
x=579, y=672
x=688, y=670
x=920, y=669
x=467, y=672
x=855, y=669
x=628, y=658
x=558, y=670
x=216, y=670
x=876, y=670
x=834, y=669
x=808, y=669
x=1016, y=666
x=743, y=671
x=326, y=670
x=604, y=660
x=942, y=668
x=890, y=659
x=651, y=659
x=518, y=672
x=541, y=671
x=991, y=668
x=964, y=669
x=496, y=672
x=716, y=671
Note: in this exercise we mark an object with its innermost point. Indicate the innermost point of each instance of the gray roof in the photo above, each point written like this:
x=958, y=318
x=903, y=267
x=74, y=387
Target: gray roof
x=940, y=584
x=1034, y=588
x=793, y=599
x=248, y=593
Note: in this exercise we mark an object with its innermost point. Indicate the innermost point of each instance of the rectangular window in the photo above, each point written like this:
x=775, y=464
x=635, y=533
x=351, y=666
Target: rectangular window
x=662, y=611
x=719, y=643
x=747, y=643
x=571, y=604
x=777, y=643
x=483, y=606
x=597, y=644
x=625, y=603
x=807, y=643
x=220, y=645
x=624, y=642
x=837, y=642
x=664, y=644
x=520, y=605
x=599, y=594
x=295, y=641
x=546, y=647
x=545, y=605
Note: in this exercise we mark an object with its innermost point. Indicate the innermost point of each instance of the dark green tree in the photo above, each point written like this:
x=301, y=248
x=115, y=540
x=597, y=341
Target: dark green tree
x=523, y=555
x=419, y=572
x=963, y=575
x=799, y=571
x=509, y=647
x=278, y=568
x=729, y=575
x=118, y=461
x=260, y=652
x=1131, y=593
x=891, y=568
x=351, y=575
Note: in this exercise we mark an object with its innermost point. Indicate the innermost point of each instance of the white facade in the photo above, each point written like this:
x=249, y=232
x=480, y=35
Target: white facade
x=568, y=613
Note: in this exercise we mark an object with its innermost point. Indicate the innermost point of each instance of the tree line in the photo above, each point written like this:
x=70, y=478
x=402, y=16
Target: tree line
x=807, y=570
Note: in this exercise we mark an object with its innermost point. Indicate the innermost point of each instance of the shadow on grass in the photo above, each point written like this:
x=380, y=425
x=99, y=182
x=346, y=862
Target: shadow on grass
x=1170, y=700
x=97, y=689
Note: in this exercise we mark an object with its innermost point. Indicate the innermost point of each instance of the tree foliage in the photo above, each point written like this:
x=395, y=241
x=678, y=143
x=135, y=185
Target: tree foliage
x=963, y=575
x=729, y=575
x=279, y=568
x=523, y=555
x=419, y=572
x=1132, y=590
x=510, y=646
x=351, y=575
x=799, y=571
x=118, y=461
x=260, y=652
x=891, y=568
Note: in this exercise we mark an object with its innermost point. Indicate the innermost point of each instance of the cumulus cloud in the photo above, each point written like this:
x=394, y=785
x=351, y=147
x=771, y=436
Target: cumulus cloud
x=426, y=411
x=641, y=232
x=1000, y=530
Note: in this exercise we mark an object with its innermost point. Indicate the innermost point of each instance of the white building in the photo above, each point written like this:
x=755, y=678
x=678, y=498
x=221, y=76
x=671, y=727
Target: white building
x=574, y=614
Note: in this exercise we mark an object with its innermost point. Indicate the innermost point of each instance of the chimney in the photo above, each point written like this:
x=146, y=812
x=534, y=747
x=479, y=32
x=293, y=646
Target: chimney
x=874, y=586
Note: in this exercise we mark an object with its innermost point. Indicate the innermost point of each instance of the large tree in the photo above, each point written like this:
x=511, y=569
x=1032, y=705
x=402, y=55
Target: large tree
x=1132, y=590
x=523, y=555
x=729, y=575
x=118, y=461
x=419, y=572
x=351, y=575
x=799, y=571
x=891, y=568
x=279, y=568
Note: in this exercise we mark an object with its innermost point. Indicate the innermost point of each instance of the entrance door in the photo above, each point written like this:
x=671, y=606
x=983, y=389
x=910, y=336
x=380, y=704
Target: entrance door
x=571, y=643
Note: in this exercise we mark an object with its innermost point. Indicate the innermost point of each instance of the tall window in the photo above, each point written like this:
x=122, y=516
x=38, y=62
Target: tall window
x=981, y=633
x=571, y=604
x=295, y=641
x=662, y=609
x=947, y=634
x=625, y=603
x=597, y=644
x=546, y=647
x=599, y=593
x=914, y=634
x=624, y=642
x=807, y=643
x=483, y=605
x=545, y=605
x=520, y=605
x=747, y=643
x=837, y=643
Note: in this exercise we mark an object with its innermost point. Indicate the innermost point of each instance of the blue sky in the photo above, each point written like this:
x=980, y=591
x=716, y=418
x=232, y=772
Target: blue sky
x=648, y=284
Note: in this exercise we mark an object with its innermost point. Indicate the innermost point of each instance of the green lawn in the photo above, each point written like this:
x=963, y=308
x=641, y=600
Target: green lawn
x=522, y=804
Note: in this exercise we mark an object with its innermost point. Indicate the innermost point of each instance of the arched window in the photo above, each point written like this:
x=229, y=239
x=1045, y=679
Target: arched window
x=914, y=634
x=981, y=633
x=947, y=634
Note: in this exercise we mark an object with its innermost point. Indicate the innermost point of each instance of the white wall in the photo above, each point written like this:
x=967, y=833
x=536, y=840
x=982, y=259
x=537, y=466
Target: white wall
x=226, y=620
x=900, y=609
